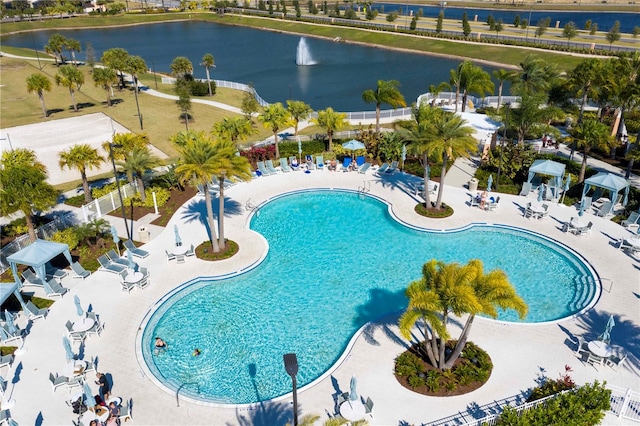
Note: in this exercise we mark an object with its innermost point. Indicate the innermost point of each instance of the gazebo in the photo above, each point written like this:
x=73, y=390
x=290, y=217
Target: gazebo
x=7, y=289
x=612, y=183
x=36, y=255
x=549, y=168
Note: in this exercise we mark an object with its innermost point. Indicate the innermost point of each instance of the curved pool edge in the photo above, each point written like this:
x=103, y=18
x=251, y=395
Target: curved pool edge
x=348, y=348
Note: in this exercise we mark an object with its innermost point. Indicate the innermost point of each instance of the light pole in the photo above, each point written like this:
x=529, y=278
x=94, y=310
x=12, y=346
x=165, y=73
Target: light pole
x=504, y=135
x=115, y=175
x=291, y=366
x=528, y=23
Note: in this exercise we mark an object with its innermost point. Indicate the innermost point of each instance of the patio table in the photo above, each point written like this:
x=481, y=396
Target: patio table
x=178, y=250
x=133, y=277
x=599, y=348
x=537, y=210
x=83, y=324
x=353, y=410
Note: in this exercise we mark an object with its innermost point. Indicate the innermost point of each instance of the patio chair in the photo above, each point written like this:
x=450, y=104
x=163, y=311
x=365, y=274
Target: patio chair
x=382, y=169
x=108, y=266
x=368, y=407
x=594, y=359
x=191, y=251
x=582, y=347
x=125, y=286
x=309, y=161
x=269, y=165
x=319, y=162
x=493, y=205
x=54, y=289
x=115, y=258
x=343, y=397
x=586, y=230
x=55, y=272
x=291, y=162
x=79, y=271
x=91, y=366
x=526, y=189
x=31, y=279
x=346, y=164
x=616, y=360
x=180, y=258
x=360, y=160
x=33, y=312
x=284, y=165
x=74, y=336
x=527, y=211
x=170, y=256
x=392, y=168
x=125, y=412
x=363, y=169
x=135, y=251
x=7, y=336
x=6, y=360
x=605, y=209
x=545, y=211
x=263, y=169
x=631, y=221
x=57, y=381
x=98, y=327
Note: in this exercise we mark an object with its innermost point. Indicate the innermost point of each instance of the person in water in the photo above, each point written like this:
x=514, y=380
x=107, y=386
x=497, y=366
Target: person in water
x=196, y=352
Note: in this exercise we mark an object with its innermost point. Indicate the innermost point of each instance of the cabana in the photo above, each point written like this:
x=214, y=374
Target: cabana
x=36, y=255
x=612, y=183
x=6, y=289
x=549, y=168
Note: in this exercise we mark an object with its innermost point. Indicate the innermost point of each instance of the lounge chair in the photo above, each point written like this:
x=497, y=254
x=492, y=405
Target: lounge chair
x=346, y=164
x=284, y=166
x=545, y=211
x=33, y=312
x=53, y=288
x=586, y=230
x=191, y=251
x=294, y=164
x=74, y=336
x=605, y=209
x=78, y=271
x=170, y=256
x=631, y=221
x=360, y=160
x=7, y=337
x=343, y=397
x=363, y=169
x=6, y=360
x=55, y=272
x=269, y=165
x=527, y=211
x=115, y=258
x=135, y=251
x=57, y=381
x=383, y=168
x=31, y=279
x=126, y=286
x=309, y=161
x=392, y=168
x=526, y=189
x=368, y=407
x=582, y=347
x=616, y=360
x=263, y=169
x=492, y=205
x=125, y=412
x=319, y=162
x=108, y=266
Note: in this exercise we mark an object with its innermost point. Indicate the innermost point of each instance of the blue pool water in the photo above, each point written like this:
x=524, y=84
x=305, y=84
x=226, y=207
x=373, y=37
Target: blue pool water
x=336, y=261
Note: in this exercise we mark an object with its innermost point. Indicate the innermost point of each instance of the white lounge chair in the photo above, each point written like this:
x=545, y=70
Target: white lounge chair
x=263, y=169
x=631, y=221
x=284, y=166
x=368, y=407
x=493, y=205
x=170, y=256
x=125, y=412
x=7, y=336
x=6, y=360
x=392, y=168
x=33, y=312
x=319, y=162
x=31, y=279
x=270, y=167
x=135, y=251
x=55, y=272
x=191, y=251
x=74, y=336
x=79, y=271
x=605, y=209
x=382, y=169
x=115, y=258
x=53, y=288
x=108, y=266
x=363, y=169
x=57, y=381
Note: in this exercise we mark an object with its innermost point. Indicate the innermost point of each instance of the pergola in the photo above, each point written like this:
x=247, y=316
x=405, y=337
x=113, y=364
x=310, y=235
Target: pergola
x=36, y=255
x=612, y=183
x=549, y=168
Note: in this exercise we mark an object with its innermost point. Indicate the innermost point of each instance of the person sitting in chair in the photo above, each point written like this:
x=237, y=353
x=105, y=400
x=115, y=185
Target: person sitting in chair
x=294, y=163
x=483, y=199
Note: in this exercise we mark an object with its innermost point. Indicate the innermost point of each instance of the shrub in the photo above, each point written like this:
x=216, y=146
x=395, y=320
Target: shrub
x=162, y=196
x=68, y=236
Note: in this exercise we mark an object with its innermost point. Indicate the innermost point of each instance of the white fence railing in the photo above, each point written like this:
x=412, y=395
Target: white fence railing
x=228, y=85
x=107, y=203
x=625, y=403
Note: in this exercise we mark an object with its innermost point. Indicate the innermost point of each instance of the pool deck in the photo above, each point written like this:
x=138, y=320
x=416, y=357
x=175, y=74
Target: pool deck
x=518, y=351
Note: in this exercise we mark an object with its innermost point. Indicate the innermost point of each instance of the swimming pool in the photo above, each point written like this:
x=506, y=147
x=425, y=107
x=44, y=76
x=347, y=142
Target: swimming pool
x=336, y=261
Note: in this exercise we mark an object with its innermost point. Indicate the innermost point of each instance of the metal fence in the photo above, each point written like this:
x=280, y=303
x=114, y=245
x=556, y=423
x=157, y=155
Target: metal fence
x=625, y=403
x=107, y=203
x=226, y=84
x=446, y=98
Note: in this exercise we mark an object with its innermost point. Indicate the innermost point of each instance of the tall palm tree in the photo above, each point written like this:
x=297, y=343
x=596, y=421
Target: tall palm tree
x=453, y=289
x=535, y=76
x=72, y=78
x=299, y=111
x=228, y=166
x=474, y=80
x=126, y=142
x=198, y=164
x=105, y=78
x=588, y=135
x=136, y=163
x=116, y=59
x=54, y=47
x=455, y=80
x=331, y=121
x=582, y=80
x=81, y=157
x=436, y=89
x=274, y=117
x=135, y=65
x=72, y=47
x=234, y=129
x=502, y=76
x=453, y=138
x=386, y=92
x=38, y=84
x=181, y=66
x=208, y=62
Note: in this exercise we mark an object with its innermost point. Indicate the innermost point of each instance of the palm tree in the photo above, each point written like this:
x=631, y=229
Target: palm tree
x=233, y=128
x=136, y=163
x=274, y=117
x=181, y=66
x=437, y=89
x=81, y=157
x=582, y=80
x=447, y=289
x=230, y=166
x=72, y=78
x=116, y=59
x=73, y=46
x=331, y=121
x=535, y=76
x=135, y=65
x=24, y=186
x=474, y=80
x=455, y=80
x=38, y=84
x=386, y=92
x=197, y=166
x=54, y=47
x=208, y=62
x=452, y=138
x=184, y=100
x=588, y=135
x=126, y=142
x=502, y=76
x=299, y=111
x=105, y=78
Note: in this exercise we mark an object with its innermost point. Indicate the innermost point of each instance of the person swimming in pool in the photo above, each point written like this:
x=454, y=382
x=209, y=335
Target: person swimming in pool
x=160, y=345
x=196, y=352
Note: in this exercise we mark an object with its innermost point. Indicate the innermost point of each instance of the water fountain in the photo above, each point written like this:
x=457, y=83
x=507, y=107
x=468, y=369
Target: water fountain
x=303, y=55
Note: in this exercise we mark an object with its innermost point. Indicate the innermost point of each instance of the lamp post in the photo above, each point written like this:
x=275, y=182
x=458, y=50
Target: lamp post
x=528, y=24
x=115, y=175
x=291, y=366
x=504, y=135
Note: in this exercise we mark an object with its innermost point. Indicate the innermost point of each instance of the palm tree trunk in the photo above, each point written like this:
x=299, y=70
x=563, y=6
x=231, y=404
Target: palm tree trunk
x=30, y=226
x=583, y=167
x=499, y=96
x=457, y=97
x=44, y=108
x=275, y=138
x=221, y=214
x=330, y=134
x=208, y=80
x=445, y=159
x=186, y=119
x=73, y=99
x=462, y=341
x=428, y=345
x=582, y=105
x=377, y=118
x=212, y=224
x=108, y=97
x=143, y=196
x=465, y=95
x=425, y=161
x=85, y=186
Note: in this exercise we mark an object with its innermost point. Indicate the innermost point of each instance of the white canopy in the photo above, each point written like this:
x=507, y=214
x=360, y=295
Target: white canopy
x=549, y=168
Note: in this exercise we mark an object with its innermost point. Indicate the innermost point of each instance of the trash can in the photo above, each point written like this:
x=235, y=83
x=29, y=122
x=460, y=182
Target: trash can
x=143, y=234
x=473, y=185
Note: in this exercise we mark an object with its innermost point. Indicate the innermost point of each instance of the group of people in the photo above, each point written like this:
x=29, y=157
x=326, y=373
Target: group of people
x=483, y=199
x=104, y=390
x=160, y=345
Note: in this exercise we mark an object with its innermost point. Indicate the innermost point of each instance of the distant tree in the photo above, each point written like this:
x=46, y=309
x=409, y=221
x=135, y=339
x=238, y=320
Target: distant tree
x=136, y=163
x=299, y=111
x=72, y=78
x=54, y=47
x=336, y=9
x=208, y=62
x=38, y=84
x=90, y=55
x=498, y=26
x=516, y=21
x=614, y=34
x=636, y=32
x=594, y=29
x=414, y=23
x=371, y=14
x=588, y=135
x=72, y=47
x=569, y=31
x=233, y=128
x=181, y=66
x=439, y=22
x=81, y=157
x=524, y=24
x=250, y=104
x=474, y=79
x=490, y=21
x=583, y=81
x=534, y=76
x=105, y=78
x=116, y=59
x=271, y=9
x=331, y=121
x=435, y=89
x=386, y=92
x=261, y=5
x=542, y=27
x=587, y=25
x=391, y=17
x=530, y=112
x=501, y=76
x=466, y=28
x=275, y=117
x=183, y=91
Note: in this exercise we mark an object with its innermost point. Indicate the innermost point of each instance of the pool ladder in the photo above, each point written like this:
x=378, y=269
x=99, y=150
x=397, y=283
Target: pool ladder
x=249, y=206
x=365, y=188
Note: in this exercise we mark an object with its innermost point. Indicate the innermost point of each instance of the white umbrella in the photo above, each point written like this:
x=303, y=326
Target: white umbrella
x=541, y=190
x=606, y=335
x=353, y=145
x=67, y=347
x=90, y=400
x=567, y=185
x=132, y=264
x=177, y=234
x=489, y=183
x=76, y=300
x=9, y=322
x=116, y=239
x=353, y=395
